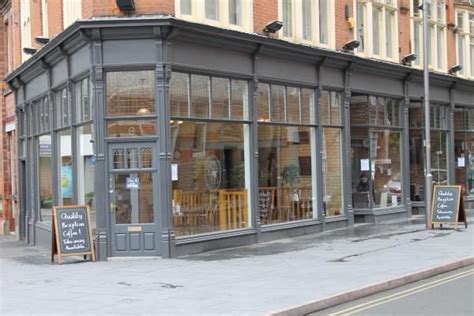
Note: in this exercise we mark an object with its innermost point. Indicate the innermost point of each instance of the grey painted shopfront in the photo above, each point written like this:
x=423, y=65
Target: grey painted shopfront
x=184, y=138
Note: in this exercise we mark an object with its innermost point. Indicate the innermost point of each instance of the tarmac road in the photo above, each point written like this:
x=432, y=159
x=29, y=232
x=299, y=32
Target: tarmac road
x=449, y=293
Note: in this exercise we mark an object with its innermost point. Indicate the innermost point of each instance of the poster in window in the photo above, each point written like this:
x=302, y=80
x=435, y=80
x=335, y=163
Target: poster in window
x=66, y=181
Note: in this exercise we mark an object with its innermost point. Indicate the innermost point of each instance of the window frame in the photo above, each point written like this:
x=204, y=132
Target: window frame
x=297, y=24
x=466, y=33
x=367, y=8
x=198, y=14
x=436, y=26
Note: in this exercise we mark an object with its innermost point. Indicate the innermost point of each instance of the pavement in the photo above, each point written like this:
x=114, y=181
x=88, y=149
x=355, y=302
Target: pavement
x=291, y=276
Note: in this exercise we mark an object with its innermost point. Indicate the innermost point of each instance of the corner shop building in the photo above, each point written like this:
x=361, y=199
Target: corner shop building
x=184, y=137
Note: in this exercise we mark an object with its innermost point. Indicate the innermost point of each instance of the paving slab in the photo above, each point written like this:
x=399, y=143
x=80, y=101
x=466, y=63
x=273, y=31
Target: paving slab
x=272, y=277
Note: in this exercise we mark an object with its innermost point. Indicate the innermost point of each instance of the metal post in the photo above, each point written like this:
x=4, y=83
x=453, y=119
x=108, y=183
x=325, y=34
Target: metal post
x=426, y=104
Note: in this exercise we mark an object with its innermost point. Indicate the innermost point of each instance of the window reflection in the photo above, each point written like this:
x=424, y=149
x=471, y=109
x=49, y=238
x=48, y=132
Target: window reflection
x=210, y=190
x=86, y=168
x=45, y=178
x=65, y=164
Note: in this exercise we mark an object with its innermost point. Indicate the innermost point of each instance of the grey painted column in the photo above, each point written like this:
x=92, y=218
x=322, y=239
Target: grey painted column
x=101, y=178
x=450, y=156
x=163, y=76
x=405, y=137
x=319, y=150
x=253, y=134
x=347, y=170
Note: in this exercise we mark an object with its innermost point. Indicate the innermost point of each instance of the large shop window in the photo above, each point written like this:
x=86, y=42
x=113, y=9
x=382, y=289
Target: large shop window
x=211, y=158
x=308, y=21
x=45, y=178
x=437, y=33
x=131, y=104
x=376, y=152
x=286, y=166
x=331, y=103
x=464, y=149
x=439, y=147
x=376, y=28
x=65, y=168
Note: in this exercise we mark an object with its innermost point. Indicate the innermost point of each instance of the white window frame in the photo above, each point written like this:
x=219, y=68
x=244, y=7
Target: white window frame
x=435, y=27
x=465, y=32
x=384, y=6
x=198, y=14
x=25, y=26
x=72, y=11
x=297, y=24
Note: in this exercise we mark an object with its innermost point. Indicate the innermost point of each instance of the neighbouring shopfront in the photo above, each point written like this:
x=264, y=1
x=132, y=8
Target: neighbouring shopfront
x=184, y=138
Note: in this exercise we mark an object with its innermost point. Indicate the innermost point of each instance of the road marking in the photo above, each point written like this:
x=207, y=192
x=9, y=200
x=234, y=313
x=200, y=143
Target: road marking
x=402, y=294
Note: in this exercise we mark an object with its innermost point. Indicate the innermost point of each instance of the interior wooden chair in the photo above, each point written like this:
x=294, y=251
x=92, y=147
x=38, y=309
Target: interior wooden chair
x=233, y=209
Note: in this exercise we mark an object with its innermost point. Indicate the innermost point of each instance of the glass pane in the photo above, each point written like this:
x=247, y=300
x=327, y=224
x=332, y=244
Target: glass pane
x=415, y=115
x=460, y=155
x=65, y=166
x=87, y=113
x=132, y=158
x=45, y=180
x=360, y=157
x=212, y=9
x=285, y=173
x=119, y=158
x=307, y=106
x=235, y=12
x=64, y=108
x=210, y=177
x=359, y=110
x=287, y=18
x=185, y=7
x=325, y=112
x=179, y=94
x=417, y=164
x=86, y=168
x=239, y=103
x=441, y=48
x=132, y=198
x=293, y=106
x=439, y=167
x=386, y=168
x=130, y=93
x=417, y=42
x=263, y=101
x=376, y=14
x=332, y=172
x=307, y=23
x=220, y=98
x=146, y=156
x=389, y=16
x=460, y=119
x=131, y=128
x=323, y=21
x=78, y=101
x=199, y=96
x=470, y=171
x=335, y=108
x=277, y=108
x=360, y=26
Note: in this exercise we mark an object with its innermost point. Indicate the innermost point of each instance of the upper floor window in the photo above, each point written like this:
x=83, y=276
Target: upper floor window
x=437, y=31
x=376, y=28
x=72, y=11
x=234, y=14
x=300, y=24
x=465, y=42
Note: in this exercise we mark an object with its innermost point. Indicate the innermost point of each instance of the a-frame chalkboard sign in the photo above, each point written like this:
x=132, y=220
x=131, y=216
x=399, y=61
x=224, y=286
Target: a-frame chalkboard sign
x=448, y=206
x=71, y=232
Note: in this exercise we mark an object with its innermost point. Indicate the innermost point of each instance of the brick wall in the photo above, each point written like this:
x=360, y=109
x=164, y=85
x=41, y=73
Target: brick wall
x=264, y=11
x=2, y=105
x=344, y=33
x=55, y=17
x=404, y=39
x=451, y=36
x=109, y=8
x=36, y=19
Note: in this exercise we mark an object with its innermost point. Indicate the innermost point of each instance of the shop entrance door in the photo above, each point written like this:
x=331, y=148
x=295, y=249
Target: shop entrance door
x=133, y=199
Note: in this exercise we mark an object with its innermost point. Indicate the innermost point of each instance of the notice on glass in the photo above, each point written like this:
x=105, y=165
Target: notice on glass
x=174, y=172
x=364, y=165
x=461, y=162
